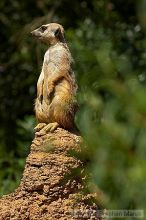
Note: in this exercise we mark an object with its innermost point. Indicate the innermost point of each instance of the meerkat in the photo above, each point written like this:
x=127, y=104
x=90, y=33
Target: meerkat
x=56, y=104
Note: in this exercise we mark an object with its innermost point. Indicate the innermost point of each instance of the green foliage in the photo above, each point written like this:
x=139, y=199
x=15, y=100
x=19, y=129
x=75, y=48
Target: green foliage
x=107, y=40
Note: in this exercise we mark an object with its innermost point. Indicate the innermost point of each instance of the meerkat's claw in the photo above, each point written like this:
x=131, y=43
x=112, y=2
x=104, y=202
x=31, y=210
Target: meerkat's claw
x=40, y=126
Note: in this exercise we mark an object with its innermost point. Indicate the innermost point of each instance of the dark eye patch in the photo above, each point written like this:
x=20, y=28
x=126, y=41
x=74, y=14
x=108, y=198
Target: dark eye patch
x=43, y=28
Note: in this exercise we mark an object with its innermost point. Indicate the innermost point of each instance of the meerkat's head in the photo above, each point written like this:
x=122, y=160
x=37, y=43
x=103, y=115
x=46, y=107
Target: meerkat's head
x=50, y=33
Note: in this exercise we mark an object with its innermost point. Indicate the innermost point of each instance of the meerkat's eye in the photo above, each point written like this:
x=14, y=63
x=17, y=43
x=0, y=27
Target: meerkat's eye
x=43, y=28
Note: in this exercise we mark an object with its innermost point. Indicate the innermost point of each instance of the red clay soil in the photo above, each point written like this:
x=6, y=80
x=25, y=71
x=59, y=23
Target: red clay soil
x=53, y=183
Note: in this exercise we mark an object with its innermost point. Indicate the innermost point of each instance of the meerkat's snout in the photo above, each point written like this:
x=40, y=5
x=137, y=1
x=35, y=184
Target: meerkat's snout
x=35, y=33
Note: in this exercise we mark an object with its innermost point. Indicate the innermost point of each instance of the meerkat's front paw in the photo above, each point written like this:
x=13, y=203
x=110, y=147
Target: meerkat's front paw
x=48, y=128
x=39, y=127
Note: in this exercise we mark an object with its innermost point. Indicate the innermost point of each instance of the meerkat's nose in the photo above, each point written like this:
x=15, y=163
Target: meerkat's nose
x=32, y=32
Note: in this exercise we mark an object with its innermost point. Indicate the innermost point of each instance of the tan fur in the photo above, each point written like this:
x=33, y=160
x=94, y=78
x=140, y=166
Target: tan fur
x=56, y=87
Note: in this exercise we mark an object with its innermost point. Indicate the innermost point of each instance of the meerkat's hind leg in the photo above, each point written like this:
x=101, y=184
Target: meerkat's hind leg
x=39, y=127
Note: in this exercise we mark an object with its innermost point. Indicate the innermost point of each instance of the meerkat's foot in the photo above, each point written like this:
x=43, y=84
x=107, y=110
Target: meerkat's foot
x=48, y=128
x=39, y=127
x=51, y=127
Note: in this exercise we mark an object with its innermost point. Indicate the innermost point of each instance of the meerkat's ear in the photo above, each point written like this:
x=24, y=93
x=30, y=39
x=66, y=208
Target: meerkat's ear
x=57, y=33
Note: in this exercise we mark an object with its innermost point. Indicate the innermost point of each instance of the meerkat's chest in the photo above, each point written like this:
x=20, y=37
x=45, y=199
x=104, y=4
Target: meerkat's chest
x=47, y=57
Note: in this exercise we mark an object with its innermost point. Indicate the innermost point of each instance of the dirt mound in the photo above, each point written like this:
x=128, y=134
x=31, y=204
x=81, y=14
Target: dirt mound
x=52, y=186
